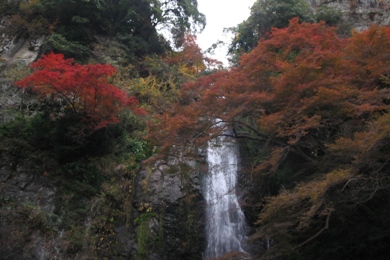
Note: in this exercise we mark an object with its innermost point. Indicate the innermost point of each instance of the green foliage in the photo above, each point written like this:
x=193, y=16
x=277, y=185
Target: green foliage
x=139, y=148
x=94, y=178
x=266, y=14
x=156, y=80
x=72, y=25
x=86, y=178
x=76, y=239
x=145, y=217
x=59, y=44
x=34, y=217
x=190, y=226
x=17, y=127
x=329, y=15
x=24, y=18
x=68, y=147
x=15, y=72
x=145, y=238
x=8, y=7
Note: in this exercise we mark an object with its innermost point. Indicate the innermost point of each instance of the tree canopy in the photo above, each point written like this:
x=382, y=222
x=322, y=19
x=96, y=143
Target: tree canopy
x=135, y=24
x=266, y=14
x=81, y=90
x=302, y=99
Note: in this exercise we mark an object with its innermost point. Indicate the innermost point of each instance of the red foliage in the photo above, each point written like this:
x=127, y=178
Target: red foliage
x=81, y=89
x=191, y=56
x=316, y=105
x=295, y=89
x=369, y=56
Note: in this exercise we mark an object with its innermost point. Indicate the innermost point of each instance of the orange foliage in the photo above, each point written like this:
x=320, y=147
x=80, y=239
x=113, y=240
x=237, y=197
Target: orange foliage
x=295, y=89
x=191, y=58
x=312, y=100
x=368, y=56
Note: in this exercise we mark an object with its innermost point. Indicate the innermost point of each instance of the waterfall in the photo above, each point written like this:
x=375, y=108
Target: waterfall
x=225, y=221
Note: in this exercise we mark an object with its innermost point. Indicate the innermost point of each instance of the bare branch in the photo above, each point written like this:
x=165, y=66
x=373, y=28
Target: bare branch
x=330, y=210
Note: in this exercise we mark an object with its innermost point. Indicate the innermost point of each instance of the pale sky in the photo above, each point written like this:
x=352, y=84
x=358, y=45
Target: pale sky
x=221, y=14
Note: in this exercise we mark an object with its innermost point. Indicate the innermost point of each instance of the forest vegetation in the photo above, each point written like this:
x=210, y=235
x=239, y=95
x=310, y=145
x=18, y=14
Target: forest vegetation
x=307, y=100
x=312, y=110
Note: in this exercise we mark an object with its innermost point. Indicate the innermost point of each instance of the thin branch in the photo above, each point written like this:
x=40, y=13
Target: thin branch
x=319, y=232
x=69, y=101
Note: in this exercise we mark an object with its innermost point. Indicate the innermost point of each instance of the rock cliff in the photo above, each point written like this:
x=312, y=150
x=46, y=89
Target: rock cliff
x=359, y=14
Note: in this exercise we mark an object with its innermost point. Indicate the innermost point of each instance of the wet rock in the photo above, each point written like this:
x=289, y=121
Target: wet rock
x=172, y=190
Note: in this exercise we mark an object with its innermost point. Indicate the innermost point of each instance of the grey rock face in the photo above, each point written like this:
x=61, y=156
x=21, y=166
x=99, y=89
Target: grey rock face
x=164, y=182
x=172, y=189
x=156, y=186
x=25, y=193
x=18, y=50
x=360, y=14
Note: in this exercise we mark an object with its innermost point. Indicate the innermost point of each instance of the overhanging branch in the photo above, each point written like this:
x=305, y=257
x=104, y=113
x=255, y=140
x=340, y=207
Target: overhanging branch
x=319, y=232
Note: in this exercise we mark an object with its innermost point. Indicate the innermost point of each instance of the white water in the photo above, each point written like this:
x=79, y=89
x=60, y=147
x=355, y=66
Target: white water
x=225, y=221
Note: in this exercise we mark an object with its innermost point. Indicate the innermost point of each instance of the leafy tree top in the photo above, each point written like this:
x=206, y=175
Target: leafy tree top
x=266, y=14
x=316, y=107
x=133, y=23
x=81, y=90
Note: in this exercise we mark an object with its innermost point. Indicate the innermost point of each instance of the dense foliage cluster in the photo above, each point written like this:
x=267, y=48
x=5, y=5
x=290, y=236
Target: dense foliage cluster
x=72, y=26
x=81, y=90
x=313, y=111
x=266, y=14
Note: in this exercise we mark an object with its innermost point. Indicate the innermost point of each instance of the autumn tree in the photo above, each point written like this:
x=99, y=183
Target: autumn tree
x=80, y=90
x=346, y=100
x=250, y=91
x=266, y=14
x=301, y=100
x=190, y=59
x=156, y=80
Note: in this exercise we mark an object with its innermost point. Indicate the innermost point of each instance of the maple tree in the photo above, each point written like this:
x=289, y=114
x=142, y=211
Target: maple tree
x=82, y=90
x=295, y=87
x=304, y=98
x=266, y=14
x=268, y=84
x=190, y=59
x=335, y=122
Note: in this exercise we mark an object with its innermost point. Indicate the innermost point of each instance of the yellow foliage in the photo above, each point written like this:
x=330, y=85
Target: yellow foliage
x=153, y=92
x=272, y=163
x=28, y=4
x=311, y=192
x=188, y=71
x=297, y=208
x=364, y=142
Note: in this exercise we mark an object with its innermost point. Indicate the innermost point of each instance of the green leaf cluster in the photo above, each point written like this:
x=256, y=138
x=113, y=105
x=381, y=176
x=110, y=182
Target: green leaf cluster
x=266, y=14
x=73, y=25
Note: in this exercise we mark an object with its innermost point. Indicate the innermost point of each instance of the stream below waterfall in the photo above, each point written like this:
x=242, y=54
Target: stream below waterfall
x=225, y=221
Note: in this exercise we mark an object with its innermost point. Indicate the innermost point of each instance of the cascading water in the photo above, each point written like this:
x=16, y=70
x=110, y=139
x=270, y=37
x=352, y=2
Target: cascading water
x=225, y=221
